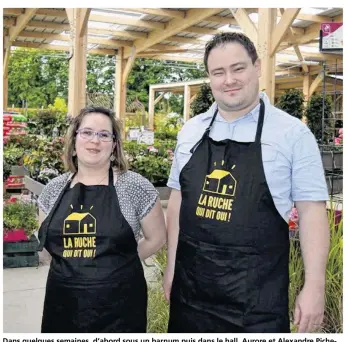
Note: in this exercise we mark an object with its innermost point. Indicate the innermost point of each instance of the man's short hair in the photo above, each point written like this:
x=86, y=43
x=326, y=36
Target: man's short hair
x=230, y=37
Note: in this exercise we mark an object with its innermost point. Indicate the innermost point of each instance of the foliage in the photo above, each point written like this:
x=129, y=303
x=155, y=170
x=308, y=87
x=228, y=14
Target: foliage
x=26, y=142
x=59, y=105
x=158, y=308
x=333, y=320
x=148, y=71
x=36, y=77
x=20, y=214
x=292, y=102
x=157, y=311
x=6, y=171
x=151, y=162
x=45, y=162
x=203, y=100
x=45, y=122
x=166, y=136
x=314, y=113
x=13, y=155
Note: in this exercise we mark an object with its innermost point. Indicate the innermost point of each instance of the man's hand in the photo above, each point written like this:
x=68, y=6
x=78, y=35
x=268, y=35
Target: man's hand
x=309, y=309
x=167, y=282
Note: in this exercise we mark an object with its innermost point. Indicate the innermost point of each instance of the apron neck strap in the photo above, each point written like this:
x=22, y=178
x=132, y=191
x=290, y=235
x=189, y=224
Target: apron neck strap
x=111, y=177
x=260, y=122
x=206, y=132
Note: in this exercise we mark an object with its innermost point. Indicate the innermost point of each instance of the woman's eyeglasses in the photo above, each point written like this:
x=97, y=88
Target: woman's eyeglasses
x=89, y=134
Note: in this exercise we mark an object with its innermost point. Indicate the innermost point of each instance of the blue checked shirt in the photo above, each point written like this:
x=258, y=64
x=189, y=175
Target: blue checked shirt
x=290, y=154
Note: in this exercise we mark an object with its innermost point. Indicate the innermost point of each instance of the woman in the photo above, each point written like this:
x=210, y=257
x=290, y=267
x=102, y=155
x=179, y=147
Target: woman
x=92, y=217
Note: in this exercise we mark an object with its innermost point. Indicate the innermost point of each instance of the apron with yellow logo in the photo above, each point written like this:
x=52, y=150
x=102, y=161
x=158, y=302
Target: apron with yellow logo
x=231, y=271
x=96, y=281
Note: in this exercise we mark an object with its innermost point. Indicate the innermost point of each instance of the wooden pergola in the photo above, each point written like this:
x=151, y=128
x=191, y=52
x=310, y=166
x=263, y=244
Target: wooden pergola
x=171, y=34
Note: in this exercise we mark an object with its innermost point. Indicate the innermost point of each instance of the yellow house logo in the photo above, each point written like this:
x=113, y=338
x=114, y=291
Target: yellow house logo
x=220, y=182
x=80, y=223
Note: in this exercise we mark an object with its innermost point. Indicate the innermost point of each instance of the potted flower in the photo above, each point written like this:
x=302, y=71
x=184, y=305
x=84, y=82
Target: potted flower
x=20, y=220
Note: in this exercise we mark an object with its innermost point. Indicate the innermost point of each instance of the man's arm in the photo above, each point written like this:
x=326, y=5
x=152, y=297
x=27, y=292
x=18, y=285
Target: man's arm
x=315, y=243
x=173, y=213
x=309, y=192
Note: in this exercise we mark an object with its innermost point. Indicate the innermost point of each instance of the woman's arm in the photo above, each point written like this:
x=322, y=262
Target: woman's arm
x=154, y=231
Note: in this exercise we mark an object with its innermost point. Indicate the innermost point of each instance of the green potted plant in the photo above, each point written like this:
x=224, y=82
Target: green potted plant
x=20, y=220
x=20, y=245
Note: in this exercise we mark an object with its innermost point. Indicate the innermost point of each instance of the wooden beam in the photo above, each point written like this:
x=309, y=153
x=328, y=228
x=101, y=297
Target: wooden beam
x=158, y=99
x=120, y=89
x=21, y=23
x=50, y=12
x=266, y=25
x=125, y=34
x=13, y=11
x=281, y=28
x=315, y=84
x=163, y=52
x=193, y=98
x=222, y=20
x=186, y=40
x=158, y=11
x=193, y=16
x=128, y=66
x=151, y=107
x=85, y=12
x=200, y=30
x=6, y=56
x=92, y=40
x=306, y=88
x=316, y=56
x=187, y=99
x=127, y=22
x=296, y=47
x=60, y=48
x=177, y=58
x=9, y=22
x=245, y=23
x=310, y=17
x=77, y=62
x=48, y=25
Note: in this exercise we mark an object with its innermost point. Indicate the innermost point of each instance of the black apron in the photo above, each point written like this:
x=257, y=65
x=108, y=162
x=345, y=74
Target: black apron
x=96, y=280
x=231, y=270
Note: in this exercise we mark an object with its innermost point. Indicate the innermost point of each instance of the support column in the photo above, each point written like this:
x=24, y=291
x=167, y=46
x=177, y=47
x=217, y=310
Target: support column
x=78, y=18
x=187, y=102
x=120, y=91
x=306, y=87
x=6, y=52
x=266, y=25
x=123, y=68
x=151, y=108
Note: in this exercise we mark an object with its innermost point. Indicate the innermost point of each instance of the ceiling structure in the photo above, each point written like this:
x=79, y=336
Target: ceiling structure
x=174, y=34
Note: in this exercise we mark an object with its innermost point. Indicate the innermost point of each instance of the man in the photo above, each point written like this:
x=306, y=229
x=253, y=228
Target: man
x=238, y=168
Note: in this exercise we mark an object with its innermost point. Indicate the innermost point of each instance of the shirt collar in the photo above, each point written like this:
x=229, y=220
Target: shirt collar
x=254, y=112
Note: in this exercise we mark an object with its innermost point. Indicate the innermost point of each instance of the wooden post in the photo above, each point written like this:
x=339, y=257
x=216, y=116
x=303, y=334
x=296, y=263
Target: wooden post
x=306, y=87
x=151, y=108
x=5, y=74
x=78, y=59
x=266, y=25
x=187, y=102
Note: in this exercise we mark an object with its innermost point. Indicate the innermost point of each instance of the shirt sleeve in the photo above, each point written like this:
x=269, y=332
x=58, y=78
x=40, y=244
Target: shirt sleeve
x=308, y=177
x=144, y=195
x=43, y=201
x=173, y=179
